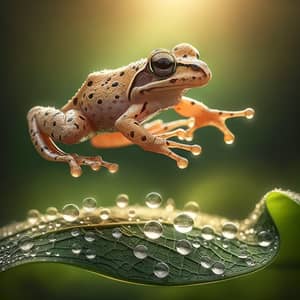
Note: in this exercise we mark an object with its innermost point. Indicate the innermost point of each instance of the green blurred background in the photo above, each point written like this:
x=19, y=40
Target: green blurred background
x=49, y=47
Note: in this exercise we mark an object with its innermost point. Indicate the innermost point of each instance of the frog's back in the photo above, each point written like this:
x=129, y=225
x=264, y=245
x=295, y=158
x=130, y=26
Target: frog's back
x=103, y=96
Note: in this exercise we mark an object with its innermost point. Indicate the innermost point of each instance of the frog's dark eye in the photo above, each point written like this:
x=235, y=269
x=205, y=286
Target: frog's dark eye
x=162, y=64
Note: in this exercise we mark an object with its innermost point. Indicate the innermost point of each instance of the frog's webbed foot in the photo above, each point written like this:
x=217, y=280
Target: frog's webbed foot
x=204, y=116
x=75, y=162
x=154, y=138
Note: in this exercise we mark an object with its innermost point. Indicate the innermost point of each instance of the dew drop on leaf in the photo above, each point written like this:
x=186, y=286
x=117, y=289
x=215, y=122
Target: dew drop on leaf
x=229, y=230
x=104, y=214
x=89, y=204
x=122, y=200
x=183, y=223
x=70, y=212
x=51, y=213
x=116, y=233
x=207, y=232
x=161, y=270
x=264, y=239
x=153, y=200
x=33, y=216
x=140, y=251
x=76, y=248
x=218, y=268
x=184, y=247
x=90, y=254
x=153, y=230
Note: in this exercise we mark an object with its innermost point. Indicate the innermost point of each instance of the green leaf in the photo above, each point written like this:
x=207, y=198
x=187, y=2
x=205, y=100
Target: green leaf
x=110, y=243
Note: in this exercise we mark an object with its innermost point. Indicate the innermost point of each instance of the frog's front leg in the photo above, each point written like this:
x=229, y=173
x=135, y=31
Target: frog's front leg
x=139, y=135
x=47, y=124
x=205, y=116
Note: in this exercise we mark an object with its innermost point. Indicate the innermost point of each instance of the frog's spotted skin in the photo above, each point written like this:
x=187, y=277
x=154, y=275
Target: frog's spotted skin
x=112, y=108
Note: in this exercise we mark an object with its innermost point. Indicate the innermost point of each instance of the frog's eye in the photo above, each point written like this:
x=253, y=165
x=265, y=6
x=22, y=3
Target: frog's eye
x=162, y=64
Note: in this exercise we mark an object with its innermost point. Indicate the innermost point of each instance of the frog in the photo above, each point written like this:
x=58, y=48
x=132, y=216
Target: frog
x=115, y=108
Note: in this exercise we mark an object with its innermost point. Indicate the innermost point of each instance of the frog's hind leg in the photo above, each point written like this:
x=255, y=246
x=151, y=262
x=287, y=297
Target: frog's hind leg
x=47, y=125
x=156, y=127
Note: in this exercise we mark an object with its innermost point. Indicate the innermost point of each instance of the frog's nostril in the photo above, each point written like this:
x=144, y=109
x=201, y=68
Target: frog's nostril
x=195, y=67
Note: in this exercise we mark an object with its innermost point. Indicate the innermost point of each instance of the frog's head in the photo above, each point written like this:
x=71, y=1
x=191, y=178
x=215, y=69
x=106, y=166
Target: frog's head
x=175, y=70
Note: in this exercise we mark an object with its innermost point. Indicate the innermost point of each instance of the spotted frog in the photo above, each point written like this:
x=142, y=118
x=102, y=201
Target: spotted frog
x=113, y=107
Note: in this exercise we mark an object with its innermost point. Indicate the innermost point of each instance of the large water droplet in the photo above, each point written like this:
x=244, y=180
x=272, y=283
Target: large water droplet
x=89, y=204
x=184, y=247
x=207, y=232
x=206, y=262
x=51, y=213
x=265, y=239
x=90, y=236
x=70, y=212
x=183, y=223
x=191, y=208
x=122, y=200
x=104, y=214
x=153, y=200
x=161, y=270
x=153, y=230
x=76, y=248
x=90, y=254
x=26, y=243
x=33, y=216
x=218, y=268
x=140, y=251
x=229, y=230
x=116, y=233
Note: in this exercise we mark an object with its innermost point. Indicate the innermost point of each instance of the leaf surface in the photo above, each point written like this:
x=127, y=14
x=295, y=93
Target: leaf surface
x=118, y=247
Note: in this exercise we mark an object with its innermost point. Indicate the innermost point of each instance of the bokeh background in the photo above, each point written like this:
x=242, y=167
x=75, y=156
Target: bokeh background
x=252, y=47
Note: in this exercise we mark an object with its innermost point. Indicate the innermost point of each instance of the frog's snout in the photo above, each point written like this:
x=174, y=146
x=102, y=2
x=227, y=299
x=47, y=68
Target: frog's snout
x=202, y=67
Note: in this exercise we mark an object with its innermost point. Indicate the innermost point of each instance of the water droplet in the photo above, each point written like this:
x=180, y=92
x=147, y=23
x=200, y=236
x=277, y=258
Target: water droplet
x=170, y=205
x=116, y=233
x=207, y=232
x=26, y=243
x=218, y=268
x=153, y=230
x=140, y=251
x=122, y=200
x=161, y=270
x=70, y=212
x=229, y=230
x=183, y=223
x=48, y=252
x=264, y=239
x=153, y=200
x=184, y=247
x=104, y=214
x=131, y=213
x=75, y=232
x=90, y=253
x=90, y=236
x=33, y=216
x=206, y=262
x=191, y=208
x=89, y=204
x=250, y=262
x=76, y=248
x=225, y=243
x=196, y=244
x=51, y=213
